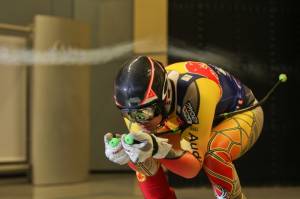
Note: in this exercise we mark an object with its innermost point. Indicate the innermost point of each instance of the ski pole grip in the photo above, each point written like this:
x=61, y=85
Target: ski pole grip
x=114, y=142
x=129, y=139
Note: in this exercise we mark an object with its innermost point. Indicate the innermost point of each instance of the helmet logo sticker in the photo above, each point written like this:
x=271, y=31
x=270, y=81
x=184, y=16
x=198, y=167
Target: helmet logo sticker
x=151, y=94
x=189, y=113
x=150, y=97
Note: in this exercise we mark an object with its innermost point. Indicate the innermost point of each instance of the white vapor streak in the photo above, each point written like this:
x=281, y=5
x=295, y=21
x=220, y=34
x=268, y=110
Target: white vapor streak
x=226, y=59
x=208, y=55
x=70, y=56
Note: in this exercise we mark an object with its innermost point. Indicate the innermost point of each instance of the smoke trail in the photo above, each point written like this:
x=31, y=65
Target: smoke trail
x=242, y=66
x=69, y=56
x=208, y=55
x=76, y=57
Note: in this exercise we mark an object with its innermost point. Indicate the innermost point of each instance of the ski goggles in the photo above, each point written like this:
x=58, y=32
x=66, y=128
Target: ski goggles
x=142, y=115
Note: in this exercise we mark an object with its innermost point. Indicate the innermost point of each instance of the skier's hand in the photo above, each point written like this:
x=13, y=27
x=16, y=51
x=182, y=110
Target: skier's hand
x=144, y=146
x=115, y=152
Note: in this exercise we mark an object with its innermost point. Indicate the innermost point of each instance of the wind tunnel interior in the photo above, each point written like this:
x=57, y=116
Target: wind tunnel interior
x=256, y=41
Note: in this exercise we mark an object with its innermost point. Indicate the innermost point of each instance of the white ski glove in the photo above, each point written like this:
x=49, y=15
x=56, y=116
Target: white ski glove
x=145, y=145
x=115, y=153
x=149, y=167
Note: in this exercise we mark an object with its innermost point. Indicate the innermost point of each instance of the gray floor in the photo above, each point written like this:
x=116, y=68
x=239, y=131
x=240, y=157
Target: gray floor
x=112, y=186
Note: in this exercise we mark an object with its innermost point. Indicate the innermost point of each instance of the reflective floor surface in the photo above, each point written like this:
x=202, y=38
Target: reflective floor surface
x=123, y=186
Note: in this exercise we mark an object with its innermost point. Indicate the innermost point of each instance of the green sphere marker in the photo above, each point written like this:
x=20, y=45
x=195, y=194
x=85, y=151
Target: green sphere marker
x=129, y=139
x=114, y=142
x=283, y=77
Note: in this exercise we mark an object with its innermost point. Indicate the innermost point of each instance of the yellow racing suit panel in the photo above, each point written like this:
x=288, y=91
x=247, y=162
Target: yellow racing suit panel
x=198, y=134
x=177, y=67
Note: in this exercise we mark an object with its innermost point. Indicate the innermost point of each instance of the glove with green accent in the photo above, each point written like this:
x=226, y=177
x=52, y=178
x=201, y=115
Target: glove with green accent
x=141, y=146
x=114, y=150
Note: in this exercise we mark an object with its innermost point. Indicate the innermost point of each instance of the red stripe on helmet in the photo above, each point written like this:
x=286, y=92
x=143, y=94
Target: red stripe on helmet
x=147, y=95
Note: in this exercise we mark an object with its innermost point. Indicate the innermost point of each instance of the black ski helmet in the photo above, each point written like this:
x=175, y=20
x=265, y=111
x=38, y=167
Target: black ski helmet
x=141, y=81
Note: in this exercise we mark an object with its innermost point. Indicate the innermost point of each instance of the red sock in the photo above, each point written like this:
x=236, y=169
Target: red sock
x=155, y=187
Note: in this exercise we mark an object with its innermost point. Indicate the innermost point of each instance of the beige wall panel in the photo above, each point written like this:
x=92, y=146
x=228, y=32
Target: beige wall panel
x=22, y=12
x=12, y=105
x=112, y=23
x=60, y=106
x=150, y=26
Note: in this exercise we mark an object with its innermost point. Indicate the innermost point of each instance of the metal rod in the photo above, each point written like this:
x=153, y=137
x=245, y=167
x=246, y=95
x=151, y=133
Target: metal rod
x=261, y=102
x=16, y=28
